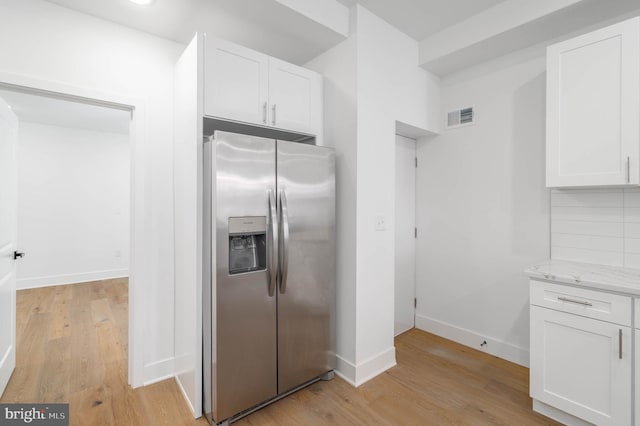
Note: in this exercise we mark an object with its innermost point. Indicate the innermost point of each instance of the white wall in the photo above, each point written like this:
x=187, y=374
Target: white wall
x=73, y=205
x=361, y=123
x=596, y=226
x=189, y=227
x=390, y=87
x=338, y=66
x=46, y=42
x=483, y=209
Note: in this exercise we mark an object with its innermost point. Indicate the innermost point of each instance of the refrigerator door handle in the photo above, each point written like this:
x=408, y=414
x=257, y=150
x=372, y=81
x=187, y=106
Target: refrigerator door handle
x=284, y=256
x=273, y=244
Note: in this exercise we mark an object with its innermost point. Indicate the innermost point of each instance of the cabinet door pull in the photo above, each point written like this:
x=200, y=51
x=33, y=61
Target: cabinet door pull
x=628, y=169
x=264, y=113
x=619, y=343
x=579, y=302
x=273, y=114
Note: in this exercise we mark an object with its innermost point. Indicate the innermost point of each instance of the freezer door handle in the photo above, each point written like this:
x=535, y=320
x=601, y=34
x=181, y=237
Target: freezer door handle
x=284, y=255
x=273, y=244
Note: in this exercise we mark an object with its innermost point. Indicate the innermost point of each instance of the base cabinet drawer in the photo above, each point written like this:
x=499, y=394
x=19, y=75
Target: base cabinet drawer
x=581, y=366
x=581, y=301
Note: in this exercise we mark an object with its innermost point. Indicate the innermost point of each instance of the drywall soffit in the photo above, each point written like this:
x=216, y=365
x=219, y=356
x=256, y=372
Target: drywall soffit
x=514, y=25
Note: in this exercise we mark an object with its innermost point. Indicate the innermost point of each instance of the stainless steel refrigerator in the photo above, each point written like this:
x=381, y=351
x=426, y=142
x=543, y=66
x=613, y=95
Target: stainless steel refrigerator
x=270, y=292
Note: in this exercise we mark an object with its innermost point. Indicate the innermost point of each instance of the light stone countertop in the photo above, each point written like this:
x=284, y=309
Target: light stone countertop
x=588, y=275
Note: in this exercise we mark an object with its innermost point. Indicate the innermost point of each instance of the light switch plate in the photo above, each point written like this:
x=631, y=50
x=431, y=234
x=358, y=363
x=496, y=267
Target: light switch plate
x=380, y=223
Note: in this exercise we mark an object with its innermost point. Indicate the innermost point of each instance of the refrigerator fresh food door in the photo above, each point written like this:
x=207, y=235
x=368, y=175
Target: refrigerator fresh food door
x=244, y=370
x=306, y=293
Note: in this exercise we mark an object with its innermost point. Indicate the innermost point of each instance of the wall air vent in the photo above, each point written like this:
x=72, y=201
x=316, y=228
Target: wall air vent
x=460, y=117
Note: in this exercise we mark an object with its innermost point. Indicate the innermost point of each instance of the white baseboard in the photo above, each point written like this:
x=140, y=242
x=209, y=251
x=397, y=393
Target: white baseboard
x=558, y=415
x=47, y=281
x=159, y=370
x=186, y=398
x=7, y=364
x=469, y=338
x=186, y=378
x=366, y=370
x=346, y=370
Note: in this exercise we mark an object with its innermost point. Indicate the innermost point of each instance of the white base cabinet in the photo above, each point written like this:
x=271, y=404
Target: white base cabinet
x=581, y=353
x=581, y=366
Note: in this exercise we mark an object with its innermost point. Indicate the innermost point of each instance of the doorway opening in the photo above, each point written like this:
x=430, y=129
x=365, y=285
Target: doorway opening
x=73, y=221
x=73, y=191
x=405, y=234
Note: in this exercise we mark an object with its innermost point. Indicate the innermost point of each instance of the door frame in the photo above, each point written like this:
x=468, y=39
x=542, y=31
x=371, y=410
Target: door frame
x=140, y=205
x=415, y=242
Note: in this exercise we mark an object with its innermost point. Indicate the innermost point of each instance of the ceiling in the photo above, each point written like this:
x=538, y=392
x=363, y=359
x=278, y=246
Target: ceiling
x=422, y=18
x=64, y=113
x=266, y=26
x=269, y=26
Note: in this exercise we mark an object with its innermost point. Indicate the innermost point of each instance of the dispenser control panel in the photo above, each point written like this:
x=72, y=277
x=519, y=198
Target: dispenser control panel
x=247, y=244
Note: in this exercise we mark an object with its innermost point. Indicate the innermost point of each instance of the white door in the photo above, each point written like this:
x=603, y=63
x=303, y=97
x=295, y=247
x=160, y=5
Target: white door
x=295, y=97
x=637, y=377
x=236, y=82
x=581, y=366
x=637, y=361
x=405, y=256
x=593, y=108
x=8, y=224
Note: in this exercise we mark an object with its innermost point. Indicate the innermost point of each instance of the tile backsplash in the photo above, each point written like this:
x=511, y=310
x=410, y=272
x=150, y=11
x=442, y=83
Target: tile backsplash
x=596, y=225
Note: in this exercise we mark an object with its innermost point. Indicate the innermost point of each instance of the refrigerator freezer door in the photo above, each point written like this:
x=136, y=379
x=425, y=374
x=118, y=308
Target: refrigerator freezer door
x=306, y=294
x=244, y=369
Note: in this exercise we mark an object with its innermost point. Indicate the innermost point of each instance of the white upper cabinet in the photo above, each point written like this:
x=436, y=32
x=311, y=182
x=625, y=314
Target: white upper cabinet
x=593, y=108
x=295, y=96
x=244, y=85
x=236, y=82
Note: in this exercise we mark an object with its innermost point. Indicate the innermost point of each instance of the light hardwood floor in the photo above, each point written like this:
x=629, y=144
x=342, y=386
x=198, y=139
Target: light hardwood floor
x=72, y=347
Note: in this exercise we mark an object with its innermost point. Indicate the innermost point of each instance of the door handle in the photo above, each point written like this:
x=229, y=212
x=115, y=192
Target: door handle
x=273, y=114
x=628, y=170
x=273, y=243
x=577, y=302
x=17, y=254
x=264, y=113
x=284, y=256
x=619, y=343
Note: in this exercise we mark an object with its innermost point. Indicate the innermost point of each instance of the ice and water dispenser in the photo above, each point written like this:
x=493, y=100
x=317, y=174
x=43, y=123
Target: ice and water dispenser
x=247, y=244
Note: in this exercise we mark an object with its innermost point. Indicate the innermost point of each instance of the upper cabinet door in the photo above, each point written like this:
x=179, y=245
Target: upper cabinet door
x=235, y=82
x=593, y=108
x=295, y=97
